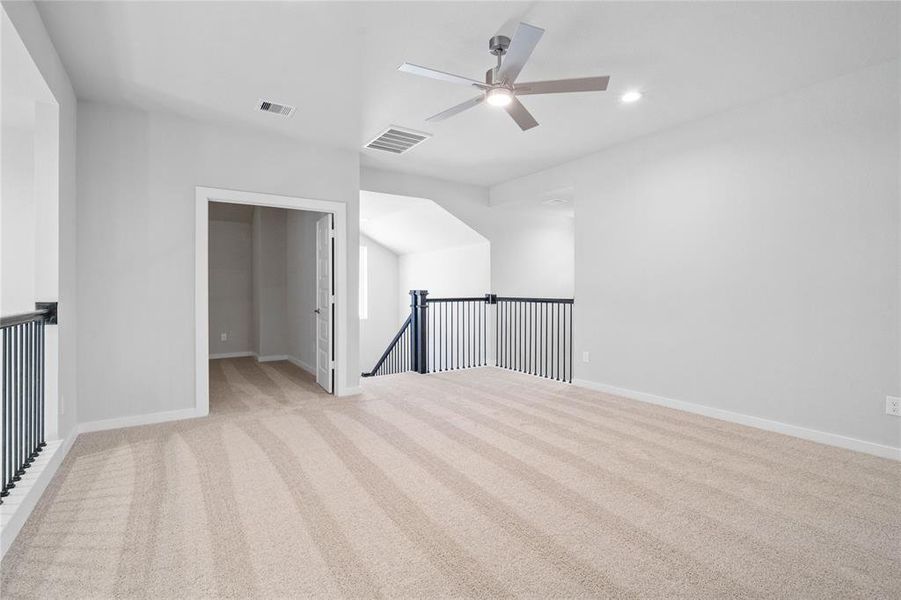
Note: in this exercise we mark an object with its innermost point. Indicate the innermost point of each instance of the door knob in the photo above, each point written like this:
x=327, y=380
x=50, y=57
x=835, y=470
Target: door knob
x=316, y=311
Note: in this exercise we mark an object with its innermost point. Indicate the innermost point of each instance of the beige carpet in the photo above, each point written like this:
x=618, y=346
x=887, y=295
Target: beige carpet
x=479, y=483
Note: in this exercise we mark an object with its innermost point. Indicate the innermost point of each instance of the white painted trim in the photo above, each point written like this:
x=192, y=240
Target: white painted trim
x=203, y=196
x=353, y=391
x=22, y=499
x=272, y=357
x=137, y=420
x=814, y=435
x=231, y=355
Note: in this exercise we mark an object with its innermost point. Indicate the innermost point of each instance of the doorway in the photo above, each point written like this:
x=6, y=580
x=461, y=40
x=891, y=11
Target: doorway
x=330, y=320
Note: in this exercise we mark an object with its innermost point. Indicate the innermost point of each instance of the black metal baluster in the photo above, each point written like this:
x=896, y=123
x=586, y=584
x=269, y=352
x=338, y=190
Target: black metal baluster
x=29, y=393
x=517, y=331
x=473, y=316
x=513, y=335
x=34, y=390
x=514, y=321
x=485, y=333
x=481, y=307
x=465, y=331
x=16, y=401
x=501, y=333
x=432, y=339
x=460, y=348
x=506, y=325
x=572, y=363
x=473, y=361
x=563, y=308
x=476, y=329
x=527, y=351
x=559, y=331
x=458, y=330
x=520, y=329
x=4, y=491
x=531, y=337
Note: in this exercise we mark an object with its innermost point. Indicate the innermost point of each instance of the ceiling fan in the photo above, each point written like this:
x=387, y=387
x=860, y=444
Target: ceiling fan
x=500, y=87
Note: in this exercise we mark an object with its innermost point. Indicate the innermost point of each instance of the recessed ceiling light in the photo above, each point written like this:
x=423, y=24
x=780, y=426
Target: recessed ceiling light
x=499, y=97
x=632, y=96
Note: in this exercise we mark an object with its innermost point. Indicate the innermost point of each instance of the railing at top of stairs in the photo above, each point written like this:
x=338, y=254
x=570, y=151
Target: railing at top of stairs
x=528, y=335
x=22, y=387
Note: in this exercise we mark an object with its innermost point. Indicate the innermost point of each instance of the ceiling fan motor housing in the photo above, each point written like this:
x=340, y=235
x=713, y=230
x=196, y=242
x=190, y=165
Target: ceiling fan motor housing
x=498, y=45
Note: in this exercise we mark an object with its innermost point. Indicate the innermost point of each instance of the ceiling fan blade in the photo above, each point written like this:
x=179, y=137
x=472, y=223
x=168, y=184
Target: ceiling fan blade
x=523, y=117
x=454, y=110
x=524, y=41
x=560, y=86
x=440, y=75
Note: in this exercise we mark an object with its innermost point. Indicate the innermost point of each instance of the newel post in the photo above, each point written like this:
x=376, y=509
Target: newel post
x=419, y=341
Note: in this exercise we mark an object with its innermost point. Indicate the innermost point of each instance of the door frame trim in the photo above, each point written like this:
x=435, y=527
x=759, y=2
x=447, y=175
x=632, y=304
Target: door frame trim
x=203, y=197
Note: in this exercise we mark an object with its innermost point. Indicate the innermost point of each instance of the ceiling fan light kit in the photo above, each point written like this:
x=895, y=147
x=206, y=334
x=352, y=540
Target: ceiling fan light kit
x=500, y=88
x=499, y=96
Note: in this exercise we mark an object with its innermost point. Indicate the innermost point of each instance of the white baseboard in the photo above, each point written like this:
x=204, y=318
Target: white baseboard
x=352, y=391
x=272, y=357
x=231, y=355
x=136, y=420
x=814, y=435
x=22, y=499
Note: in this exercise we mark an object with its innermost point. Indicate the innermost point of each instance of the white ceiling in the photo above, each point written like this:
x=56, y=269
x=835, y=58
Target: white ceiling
x=405, y=225
x=337, y=63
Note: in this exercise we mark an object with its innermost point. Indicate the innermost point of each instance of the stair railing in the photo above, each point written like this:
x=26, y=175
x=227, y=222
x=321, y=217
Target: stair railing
x=530, y=335
x=398, y=357
x=22, y=386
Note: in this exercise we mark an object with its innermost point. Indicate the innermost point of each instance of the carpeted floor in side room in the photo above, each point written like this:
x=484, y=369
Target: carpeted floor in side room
x=469, y=484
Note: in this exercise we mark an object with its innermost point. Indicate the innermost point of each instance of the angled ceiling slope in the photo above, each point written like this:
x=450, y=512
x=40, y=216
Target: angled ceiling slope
x=406, y=225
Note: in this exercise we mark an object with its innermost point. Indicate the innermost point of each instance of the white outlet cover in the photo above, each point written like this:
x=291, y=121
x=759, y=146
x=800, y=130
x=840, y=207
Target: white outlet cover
x=223, y=337
x=585, y=356
x=893, y=405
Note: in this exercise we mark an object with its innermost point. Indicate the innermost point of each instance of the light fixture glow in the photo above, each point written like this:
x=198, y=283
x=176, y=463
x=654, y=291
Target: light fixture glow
x=499, y=97
x=632, y=96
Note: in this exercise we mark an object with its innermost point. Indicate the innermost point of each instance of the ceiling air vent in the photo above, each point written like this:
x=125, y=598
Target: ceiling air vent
x=397, y=140
x=279, y=109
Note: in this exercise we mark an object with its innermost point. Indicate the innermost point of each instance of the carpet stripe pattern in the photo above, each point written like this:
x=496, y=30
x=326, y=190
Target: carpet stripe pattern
x=467, y=484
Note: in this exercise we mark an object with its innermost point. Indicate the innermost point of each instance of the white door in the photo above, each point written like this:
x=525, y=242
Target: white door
x=325, y=301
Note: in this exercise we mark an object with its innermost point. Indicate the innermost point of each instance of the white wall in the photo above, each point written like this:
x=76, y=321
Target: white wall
x=270, y=281
x=301, y=286
x=519, y=265
x=55, y=213
x=750, y=261
x=383, y=320
x=18, y=241
x=137, y=174
x=448, y=272
x=231, y=287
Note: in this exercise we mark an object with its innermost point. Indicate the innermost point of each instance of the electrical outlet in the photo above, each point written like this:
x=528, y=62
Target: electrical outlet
x=585, y=356
x=223, y=337
x=893, y=406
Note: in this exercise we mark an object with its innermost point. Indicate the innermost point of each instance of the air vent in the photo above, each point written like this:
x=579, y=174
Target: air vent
x=279, y=109
x=397, y=140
